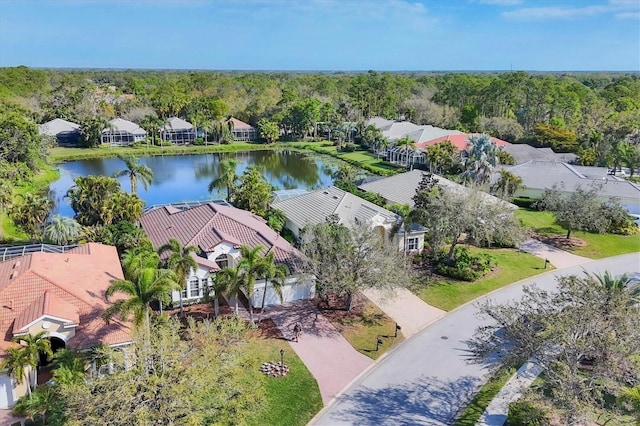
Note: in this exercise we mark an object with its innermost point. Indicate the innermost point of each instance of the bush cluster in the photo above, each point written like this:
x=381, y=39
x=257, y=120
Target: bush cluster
x=465, y=266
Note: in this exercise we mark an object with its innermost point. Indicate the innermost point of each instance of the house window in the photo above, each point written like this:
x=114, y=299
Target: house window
x=205, y=284
x=222, y=261
x=412, y=243
x=194, y=287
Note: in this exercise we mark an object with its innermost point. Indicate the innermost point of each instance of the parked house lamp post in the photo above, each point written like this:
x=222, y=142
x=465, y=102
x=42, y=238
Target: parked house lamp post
x=398, y=328
x=378, y=343
x=281, y=357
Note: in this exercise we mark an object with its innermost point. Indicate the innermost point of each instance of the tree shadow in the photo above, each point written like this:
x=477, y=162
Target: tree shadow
x=424, y=400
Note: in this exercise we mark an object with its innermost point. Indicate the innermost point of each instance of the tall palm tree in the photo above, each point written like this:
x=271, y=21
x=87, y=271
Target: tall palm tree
x=62, y=230
x=407, y=215
x=231, y=281
x=149, y=285
x=251, y=267
x=136, y=172
x=405, y=145
x=31, y=213
x=180, y=261
x=480, y=159
x=273, y=274
x=33, y=346
x=152, y=124
x=227, y=177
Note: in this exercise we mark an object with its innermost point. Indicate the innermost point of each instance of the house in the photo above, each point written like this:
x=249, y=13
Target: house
x=178, y=131
x=242, y=131
x=62, y=294
x=122, y=133
x=522, y=152
x=538, y=175
x=218, y=232
x=402, y=187
x=65, y=132
x=314, y=207
x=459, y=140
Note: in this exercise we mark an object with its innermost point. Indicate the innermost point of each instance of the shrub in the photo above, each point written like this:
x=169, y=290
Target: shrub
x=198, y=142
x=525, y=413
x=524, y=202
x=466, y=266
x=348, y=147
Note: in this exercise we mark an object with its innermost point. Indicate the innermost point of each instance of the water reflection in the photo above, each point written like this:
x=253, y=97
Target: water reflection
x=186, y=177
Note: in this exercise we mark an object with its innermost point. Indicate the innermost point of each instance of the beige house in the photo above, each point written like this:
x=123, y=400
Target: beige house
x=61, y=294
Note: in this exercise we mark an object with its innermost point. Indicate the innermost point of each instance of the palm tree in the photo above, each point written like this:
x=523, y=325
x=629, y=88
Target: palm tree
x=180, y=261
x=507, y=184
x=405, y=144
x=480, y=159
x=152, y=124
x=407, y=214
x=227, y=177
x=231, y=281
x=33, y=346
x=150, y=284
x=15, y=363
x=274, y=274
x=346, y=173
x=62, y=230
x=135, y=171
x=31, y=213
x=631, y=396
x=251, y=266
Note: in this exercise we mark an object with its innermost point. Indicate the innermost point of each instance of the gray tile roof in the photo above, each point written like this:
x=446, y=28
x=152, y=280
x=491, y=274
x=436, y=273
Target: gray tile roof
x=428, y=133
x=175, y=123
x=402, y=187
x=544, y=174
x=120, y=124
x=522, y=153
x=57, y=125
x=314, y=207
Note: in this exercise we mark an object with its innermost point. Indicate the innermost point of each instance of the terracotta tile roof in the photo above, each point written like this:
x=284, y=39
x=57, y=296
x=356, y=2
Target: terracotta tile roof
x=48, y=304
x=74, y=282
x=209, y=225
x=459, y=141
x=238, y=124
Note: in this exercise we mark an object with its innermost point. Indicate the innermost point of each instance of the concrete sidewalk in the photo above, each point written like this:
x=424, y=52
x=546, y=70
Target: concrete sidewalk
x=498, y=409
x=408, y=310
x=558, y=258
x=328, y=356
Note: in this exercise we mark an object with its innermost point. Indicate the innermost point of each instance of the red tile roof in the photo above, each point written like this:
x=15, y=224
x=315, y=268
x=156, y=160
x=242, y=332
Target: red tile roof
x=67, y=285
x=208, y=225
x=459, y=141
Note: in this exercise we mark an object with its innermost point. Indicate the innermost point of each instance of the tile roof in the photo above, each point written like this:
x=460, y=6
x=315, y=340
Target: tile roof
x=175, y=123
x=460, y=141
x=545, y=174
x=402, y=187
x=119, y=124
x=57, y=125
x=238, y=124
x=48, y=304
x=314, y=207
x=74, y=281
x=209, y=225
x=522, y=153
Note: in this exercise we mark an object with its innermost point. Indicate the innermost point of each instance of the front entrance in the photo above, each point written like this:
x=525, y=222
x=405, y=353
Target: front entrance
x=56, y=344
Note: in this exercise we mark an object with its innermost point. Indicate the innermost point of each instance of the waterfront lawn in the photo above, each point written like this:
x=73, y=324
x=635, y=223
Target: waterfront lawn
x=362, y=326
x=290, y=400
x=597, y=245
x=363, y=159
x=472, y=413
x=447, y=294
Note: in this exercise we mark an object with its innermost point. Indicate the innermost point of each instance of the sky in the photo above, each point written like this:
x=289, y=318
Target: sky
x=327, y=35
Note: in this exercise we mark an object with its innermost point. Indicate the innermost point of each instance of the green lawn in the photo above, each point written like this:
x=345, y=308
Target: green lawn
x=512, y=266
x=362, y=159
x=291, y=400
x=597, y=245
x=362, y=327
x=483, y=398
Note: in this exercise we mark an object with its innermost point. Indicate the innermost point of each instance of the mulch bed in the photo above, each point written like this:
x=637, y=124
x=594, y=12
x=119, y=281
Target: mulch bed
x=559, y=241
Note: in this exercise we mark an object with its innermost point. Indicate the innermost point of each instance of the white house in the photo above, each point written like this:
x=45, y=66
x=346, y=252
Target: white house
x=219, y=232
x=178, y=131
x=122, y=133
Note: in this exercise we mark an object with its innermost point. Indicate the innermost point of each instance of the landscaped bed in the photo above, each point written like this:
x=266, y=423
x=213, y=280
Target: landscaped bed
x=447, y=294
x=363, y=325
x=594, y=246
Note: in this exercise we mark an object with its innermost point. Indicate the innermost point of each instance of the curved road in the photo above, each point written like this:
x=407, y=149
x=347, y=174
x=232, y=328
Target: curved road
x=429, y=378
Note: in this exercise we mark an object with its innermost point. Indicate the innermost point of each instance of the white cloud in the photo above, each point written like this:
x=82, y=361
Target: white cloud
x=620, y=8
x=628, y=15
x=500, y=2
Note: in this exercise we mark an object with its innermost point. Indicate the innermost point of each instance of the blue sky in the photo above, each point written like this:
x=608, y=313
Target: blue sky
x=391, y=35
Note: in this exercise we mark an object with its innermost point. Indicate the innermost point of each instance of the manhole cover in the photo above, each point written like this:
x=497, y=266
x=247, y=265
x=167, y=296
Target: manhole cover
x=444, y=337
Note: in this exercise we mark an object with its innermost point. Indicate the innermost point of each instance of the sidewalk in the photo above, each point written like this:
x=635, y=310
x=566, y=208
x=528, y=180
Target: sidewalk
x=329, y=357
x=497, y=410
x=408, y=310
x=558, y=258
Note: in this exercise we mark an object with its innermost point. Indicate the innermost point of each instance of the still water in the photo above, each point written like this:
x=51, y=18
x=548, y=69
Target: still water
x=179, y=178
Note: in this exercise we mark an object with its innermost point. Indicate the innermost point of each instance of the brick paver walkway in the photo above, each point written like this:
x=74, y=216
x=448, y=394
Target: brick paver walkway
x=329, y=357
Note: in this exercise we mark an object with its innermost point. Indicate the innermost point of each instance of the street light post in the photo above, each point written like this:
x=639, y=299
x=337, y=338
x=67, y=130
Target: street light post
x=398, y=328
x=281, y=357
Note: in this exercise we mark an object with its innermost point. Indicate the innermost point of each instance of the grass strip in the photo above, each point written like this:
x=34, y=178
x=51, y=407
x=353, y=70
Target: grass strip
x=472, y=413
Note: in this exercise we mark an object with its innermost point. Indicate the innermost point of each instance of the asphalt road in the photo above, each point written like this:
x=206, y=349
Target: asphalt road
x=430, y=377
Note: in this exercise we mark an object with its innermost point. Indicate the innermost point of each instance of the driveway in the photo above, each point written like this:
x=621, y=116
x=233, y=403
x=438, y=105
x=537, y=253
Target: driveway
x=430, y=377
x=555, y=256
x=329, y=357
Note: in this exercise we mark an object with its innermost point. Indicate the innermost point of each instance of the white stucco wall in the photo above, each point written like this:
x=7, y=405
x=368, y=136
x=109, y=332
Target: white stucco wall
x=295, y=288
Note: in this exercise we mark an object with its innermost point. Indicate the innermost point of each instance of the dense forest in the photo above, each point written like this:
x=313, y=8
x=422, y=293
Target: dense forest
x=596, y=115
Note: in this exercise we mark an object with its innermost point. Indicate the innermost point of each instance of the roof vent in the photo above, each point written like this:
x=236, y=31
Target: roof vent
x=325, y=192
x=13, y=275
x=15, y=265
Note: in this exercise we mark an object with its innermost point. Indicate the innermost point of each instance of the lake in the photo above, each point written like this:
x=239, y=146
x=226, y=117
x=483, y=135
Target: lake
x=178, y=178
